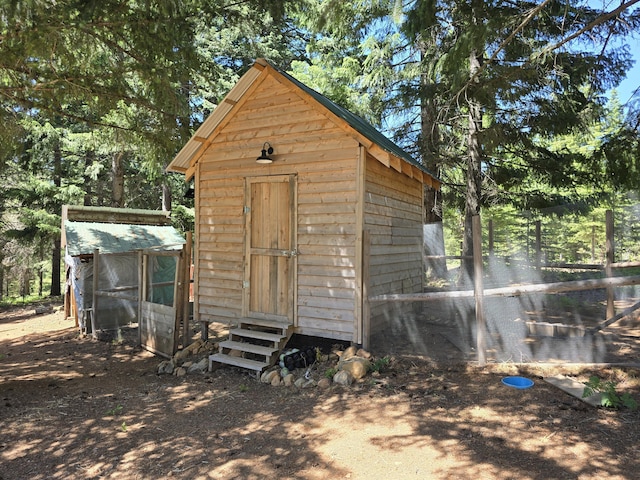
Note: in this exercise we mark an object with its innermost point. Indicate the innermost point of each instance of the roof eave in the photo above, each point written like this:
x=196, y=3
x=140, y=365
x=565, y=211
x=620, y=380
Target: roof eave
x=192, y=150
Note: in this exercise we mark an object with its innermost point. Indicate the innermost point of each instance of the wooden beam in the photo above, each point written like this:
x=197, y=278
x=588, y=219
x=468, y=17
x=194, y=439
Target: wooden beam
x=406, y=169
x=186, y=287
x=191, y=171
x=94, y=300
x=396, y=163
x=615, y=318
x=361, y=259
x=80, y=213
x=196, y=158
x=379, y=154
x=141, y=292
x=609, y=255
x=513, y=291
x=418, y=174
x=121, y=296
x=481, y=325
x=366, y=307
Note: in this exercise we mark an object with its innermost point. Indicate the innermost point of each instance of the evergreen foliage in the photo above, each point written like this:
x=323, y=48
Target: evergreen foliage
x=505, y=101
x=98, y=96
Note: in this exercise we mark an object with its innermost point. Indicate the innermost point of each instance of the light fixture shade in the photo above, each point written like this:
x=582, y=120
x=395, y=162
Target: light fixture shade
x=264, y=157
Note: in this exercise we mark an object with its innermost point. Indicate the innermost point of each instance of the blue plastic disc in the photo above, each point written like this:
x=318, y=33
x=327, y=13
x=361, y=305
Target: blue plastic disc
x=517, y=382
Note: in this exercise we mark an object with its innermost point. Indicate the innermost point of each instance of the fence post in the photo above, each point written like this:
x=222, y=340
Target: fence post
x=366, y=307
x=478, y=290
x=186, y=287
x=141, y=295
x=95, y=285
x=609, y=249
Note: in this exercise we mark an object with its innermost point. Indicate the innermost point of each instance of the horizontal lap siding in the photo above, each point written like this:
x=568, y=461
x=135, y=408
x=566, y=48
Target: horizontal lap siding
x=220, y=247
x=393, y=216
x=326, y=242
x=306, y=143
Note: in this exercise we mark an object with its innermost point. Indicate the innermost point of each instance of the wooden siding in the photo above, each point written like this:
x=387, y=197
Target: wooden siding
x=393, y=217
x=324, y=159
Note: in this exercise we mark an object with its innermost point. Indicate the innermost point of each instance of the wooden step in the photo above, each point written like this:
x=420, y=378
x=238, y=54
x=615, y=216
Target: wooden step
x=237, y=362
x=248, y=347
x=249, y=337
x=275, y=324
x=271, y=337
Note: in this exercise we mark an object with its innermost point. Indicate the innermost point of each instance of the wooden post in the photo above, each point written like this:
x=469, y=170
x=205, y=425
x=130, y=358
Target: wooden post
x=478, y=290
x=67, y=293
x=366, y=307
x=186, y=286
x=94, y=299
x=538, y=244
x=177, y=301
x=140, y=293
x=608, y=261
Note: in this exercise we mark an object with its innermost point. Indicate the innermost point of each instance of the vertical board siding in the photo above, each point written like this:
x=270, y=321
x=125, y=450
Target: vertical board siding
x=324, y=159
x=393, y=217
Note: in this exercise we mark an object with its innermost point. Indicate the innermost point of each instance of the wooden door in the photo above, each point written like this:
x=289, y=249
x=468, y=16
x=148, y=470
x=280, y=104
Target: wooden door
x=158, y=319
x=270, y=247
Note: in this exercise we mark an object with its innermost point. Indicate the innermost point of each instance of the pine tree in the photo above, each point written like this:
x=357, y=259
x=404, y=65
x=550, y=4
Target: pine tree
x=509, y=80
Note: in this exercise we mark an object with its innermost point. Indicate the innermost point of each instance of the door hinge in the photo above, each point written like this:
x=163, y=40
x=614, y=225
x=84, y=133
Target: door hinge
x=245, y=284
x=246, y=209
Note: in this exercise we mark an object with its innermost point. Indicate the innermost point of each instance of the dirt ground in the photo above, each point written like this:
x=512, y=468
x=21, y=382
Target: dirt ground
x=73, y=407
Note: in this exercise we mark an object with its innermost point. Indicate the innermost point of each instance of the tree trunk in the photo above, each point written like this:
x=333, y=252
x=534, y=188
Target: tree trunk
x=474, y=158
x=429, y=142
x=166, y=197
x=430, y=151
x=88, y=162
x=1, y=277
x=117, y=182
x=56, y=255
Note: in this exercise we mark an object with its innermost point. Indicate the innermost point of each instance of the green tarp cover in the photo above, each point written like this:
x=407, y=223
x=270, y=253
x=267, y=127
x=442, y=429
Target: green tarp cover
x=85, y=237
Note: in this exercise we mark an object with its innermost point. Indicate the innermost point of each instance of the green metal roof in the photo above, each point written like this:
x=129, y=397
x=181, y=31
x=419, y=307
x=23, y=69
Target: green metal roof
x=85, y=237
x=361, y=125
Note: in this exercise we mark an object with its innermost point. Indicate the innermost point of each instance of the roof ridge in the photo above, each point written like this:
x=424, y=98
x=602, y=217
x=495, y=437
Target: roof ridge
x=360, y=124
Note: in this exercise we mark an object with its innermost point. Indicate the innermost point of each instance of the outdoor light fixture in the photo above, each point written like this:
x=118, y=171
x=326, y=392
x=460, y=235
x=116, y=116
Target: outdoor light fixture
x=264, y=157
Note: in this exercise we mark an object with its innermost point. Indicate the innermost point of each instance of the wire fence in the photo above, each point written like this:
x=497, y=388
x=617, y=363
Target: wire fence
x=527, y=310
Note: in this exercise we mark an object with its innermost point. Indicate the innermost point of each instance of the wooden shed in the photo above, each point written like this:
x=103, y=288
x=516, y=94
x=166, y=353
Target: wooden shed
x=303, y=210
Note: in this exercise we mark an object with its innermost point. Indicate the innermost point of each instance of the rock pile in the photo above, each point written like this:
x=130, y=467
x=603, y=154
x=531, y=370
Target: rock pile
x=341, y=367
x=193, y=359
x=349, y=365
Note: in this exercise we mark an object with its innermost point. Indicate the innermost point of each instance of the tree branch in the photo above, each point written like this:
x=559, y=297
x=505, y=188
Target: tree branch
x=601, y=19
